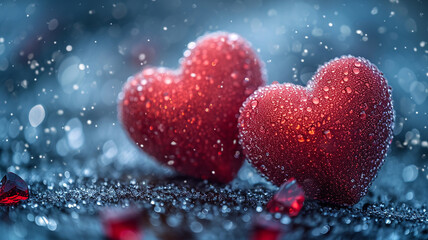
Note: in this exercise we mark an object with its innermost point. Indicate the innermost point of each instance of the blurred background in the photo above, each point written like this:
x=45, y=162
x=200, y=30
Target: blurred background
x=63, y=63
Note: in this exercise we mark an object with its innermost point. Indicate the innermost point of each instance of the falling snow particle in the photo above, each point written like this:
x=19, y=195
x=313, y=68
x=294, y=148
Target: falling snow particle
x=36, y=115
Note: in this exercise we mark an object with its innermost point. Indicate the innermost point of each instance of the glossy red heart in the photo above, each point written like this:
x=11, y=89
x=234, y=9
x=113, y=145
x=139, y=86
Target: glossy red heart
x=332, y=136
x=187, y=118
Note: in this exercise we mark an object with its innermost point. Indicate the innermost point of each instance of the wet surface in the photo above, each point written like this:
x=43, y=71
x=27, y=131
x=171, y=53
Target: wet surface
x=180, y=208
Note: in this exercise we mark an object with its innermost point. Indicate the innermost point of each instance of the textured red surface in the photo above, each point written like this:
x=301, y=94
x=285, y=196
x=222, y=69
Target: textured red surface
x=332, y=136
x=288, y=200
x=13, y=189
x=187, y=118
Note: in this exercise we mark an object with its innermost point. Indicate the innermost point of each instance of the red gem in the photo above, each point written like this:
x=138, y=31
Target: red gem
x=266, y=234
x=265, y=229
x=123, y=224
x=13, y=189
x=187, y=118
x=288, y=200
x=332, y=136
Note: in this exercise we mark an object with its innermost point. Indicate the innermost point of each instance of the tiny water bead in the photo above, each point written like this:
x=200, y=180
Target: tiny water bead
x=356, y=70
x=254, y=104
x=13, y=189
x=327, y=134
x=288, y=199
x=315, y=100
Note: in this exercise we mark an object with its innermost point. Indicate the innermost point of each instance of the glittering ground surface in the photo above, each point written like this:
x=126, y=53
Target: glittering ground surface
x=179, y=208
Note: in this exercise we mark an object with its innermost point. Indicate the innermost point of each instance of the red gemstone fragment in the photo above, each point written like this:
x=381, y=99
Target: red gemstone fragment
x=266, y=229
x=13, y=189
x=288, y=200
x=266, y=234
x=123, y=224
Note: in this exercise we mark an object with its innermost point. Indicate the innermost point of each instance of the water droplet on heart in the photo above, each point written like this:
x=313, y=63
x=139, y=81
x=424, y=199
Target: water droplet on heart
x=309, y=109
x=357, y=64
x=254, y=104
x=315, y=100
x=356, y=70
x=325, y=88
x=300, y=138
x=348, y=90
x=345, y=79
x=234, y=75
x=191, y=45
x=345, y=72
x=288, y=200
x=262, y=129
x=363, y=115
x=327, y=134
x=311, y=130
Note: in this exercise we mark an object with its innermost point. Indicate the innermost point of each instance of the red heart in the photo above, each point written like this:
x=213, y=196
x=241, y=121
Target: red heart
x=332, y=136
x=187, y=118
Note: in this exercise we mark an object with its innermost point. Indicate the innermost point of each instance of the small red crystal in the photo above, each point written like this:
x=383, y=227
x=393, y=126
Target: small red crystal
x=266, y=234
x=266, y=229
x=13, y=189
x=288, y=200
x=122, y=224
